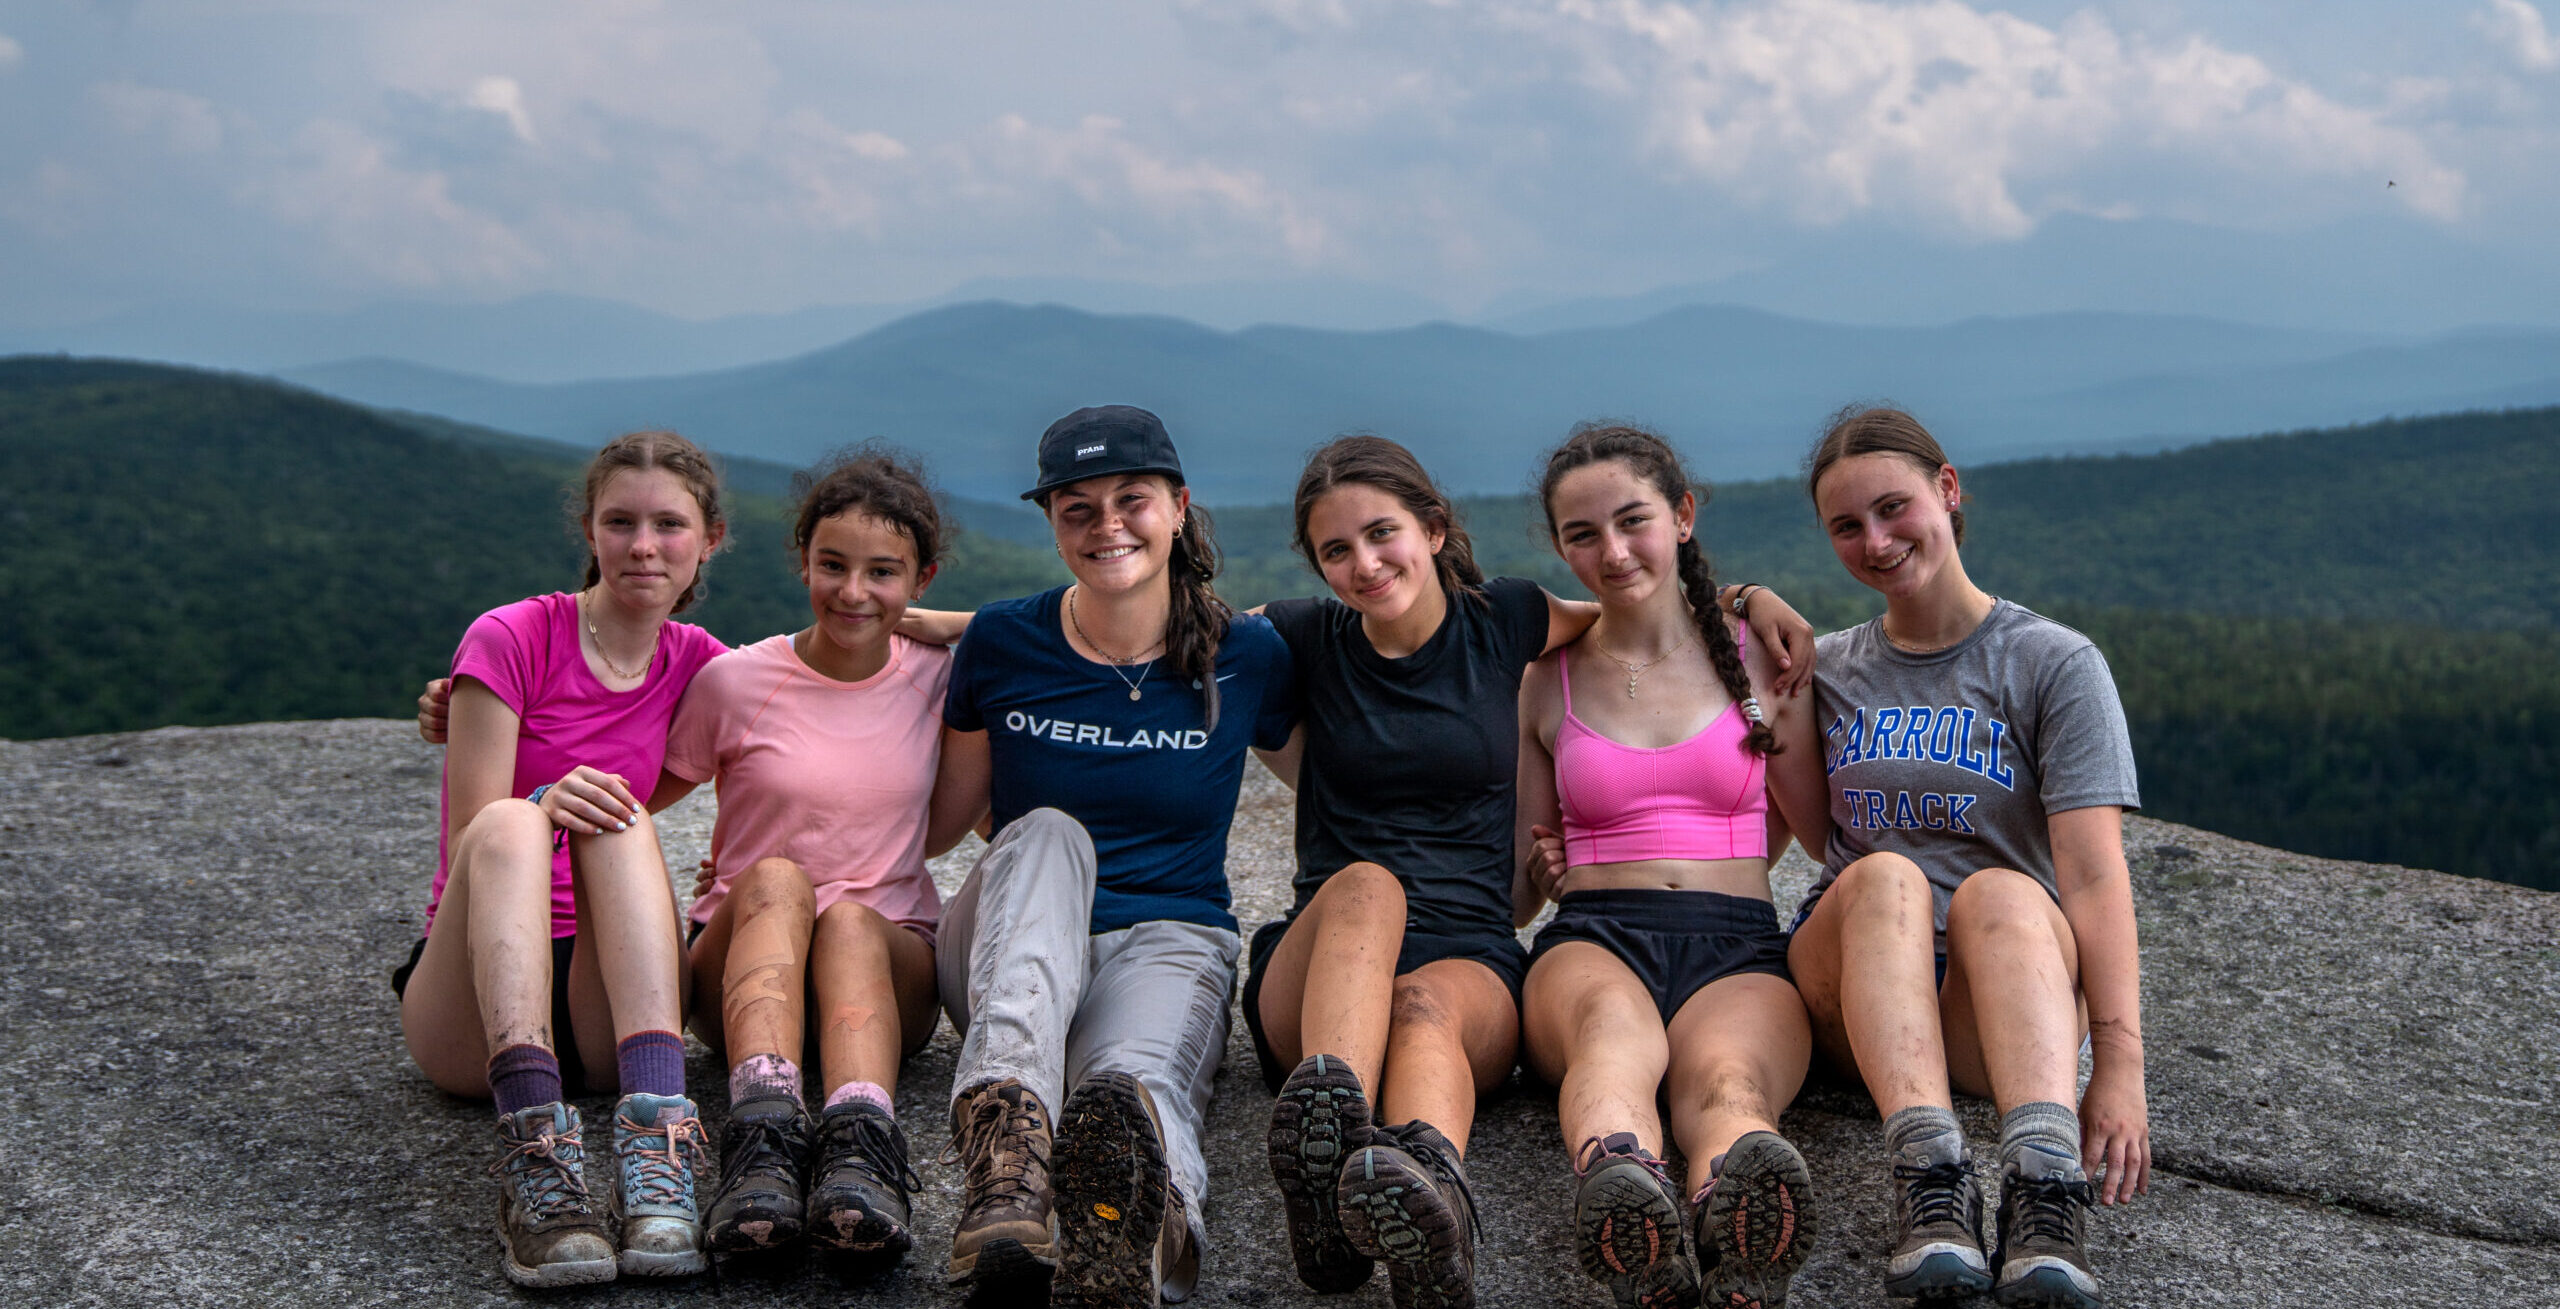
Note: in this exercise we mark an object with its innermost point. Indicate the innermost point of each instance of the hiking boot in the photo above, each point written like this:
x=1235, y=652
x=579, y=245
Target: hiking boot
x=1755, y=1224
x=1005, y=1237
x=1937, y=1216
x=657, y=1143
x=2044, y=1211
x=764, y=1169
x=1120, y=1226
x=864, y=1187
x=1320, y=1118
x=1404, y=1199
x=547, y=1224
x=1628, y=1225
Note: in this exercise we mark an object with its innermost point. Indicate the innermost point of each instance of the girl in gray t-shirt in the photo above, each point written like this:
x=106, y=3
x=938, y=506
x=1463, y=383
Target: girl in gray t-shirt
x=1973, y=923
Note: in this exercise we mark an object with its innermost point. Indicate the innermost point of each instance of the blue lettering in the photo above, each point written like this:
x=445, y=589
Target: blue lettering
x=1933, y=811
x=1956, y=807
x=1856, y=750
x=1915, y=736
x=1887, y=719
x=1830, y=756
x=1875, y=811
x=1902, y=815
x=1966, y=757
x=2005, y=778
x=1942, y=738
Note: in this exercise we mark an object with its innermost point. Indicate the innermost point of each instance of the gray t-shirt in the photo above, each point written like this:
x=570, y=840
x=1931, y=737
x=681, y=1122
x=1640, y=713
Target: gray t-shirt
x=1954, y=759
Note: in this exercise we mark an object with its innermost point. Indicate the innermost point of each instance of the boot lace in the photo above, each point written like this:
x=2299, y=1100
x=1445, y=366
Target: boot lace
x=1936, y=1192
x=992, y=1172
x=545, y=1171
x=655, y=1174
x=2048, y=1206
x=1445, y=1169
x=877, y=1144
x=761, y=1145
x=1593, y=1154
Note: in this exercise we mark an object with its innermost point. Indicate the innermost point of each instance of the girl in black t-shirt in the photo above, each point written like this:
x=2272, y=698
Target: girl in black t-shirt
x=1398, y=969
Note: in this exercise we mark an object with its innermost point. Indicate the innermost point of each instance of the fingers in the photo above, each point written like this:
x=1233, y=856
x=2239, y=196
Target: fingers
x=613, y=787
x=431, y=710
x=590, y=802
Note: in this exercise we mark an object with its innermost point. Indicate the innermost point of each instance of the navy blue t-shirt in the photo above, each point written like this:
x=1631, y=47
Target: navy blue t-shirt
x=1154, y=789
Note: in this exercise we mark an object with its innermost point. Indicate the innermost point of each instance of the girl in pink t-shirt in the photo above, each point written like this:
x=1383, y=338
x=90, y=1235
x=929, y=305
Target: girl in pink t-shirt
x=552, y=930
x=817, y=912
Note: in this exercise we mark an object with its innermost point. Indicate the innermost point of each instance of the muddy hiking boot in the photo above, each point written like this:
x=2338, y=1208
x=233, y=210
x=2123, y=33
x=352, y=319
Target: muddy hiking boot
x=860, y=1201
x=657, y=1144
x=1319, y=1119
x=1124, y=1234
x=764, y=1170
x=1004, y=1244
x=1404, y=1199
x=547, y=1222
x=1629, y=1228
x=1937, y=1220
x=1755, y=1224
x=2044, y=1209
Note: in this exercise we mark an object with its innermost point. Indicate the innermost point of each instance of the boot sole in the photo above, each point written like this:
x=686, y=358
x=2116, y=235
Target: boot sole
x=642, y=1263
x=1109, y=1170
x=1630, y=1237
x=759, y=1229
x=870, y=1232
x=1004, y=1272
x=1759, y=1224
x=1942, y=1275
x=580, y=1272
x=1312, y=1126
x=2050, y=1285
x=1392, y=1211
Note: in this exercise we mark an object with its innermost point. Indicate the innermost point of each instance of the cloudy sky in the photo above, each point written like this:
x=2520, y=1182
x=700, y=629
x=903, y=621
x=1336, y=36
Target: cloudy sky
x=753, y=157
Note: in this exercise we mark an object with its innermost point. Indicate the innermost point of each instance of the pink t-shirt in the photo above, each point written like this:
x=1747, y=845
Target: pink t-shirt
x=527, y=653
x=833, y=776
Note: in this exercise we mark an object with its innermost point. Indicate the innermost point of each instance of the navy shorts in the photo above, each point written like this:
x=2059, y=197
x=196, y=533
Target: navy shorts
x=564, y=1036
x=1674, y=941
x=1497, y=951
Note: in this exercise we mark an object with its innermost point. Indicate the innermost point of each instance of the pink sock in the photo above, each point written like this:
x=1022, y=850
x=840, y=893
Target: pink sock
x=764, y=1077
x=871, y=1091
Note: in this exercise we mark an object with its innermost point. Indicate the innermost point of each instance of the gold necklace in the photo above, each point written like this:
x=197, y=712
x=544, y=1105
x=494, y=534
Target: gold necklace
x=598, y=638
x=1118, y=664
x=1636, y=670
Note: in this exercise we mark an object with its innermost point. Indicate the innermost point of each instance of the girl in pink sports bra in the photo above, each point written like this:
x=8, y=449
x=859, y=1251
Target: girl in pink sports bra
x=1656, y=746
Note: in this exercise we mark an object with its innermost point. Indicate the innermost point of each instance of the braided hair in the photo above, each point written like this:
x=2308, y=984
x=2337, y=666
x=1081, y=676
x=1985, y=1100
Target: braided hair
x=1198, y=619
x=641, y=452
x=1651, y=458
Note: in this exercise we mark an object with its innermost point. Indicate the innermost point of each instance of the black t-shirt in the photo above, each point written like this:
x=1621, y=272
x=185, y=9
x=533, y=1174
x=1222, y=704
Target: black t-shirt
x=1411, y=763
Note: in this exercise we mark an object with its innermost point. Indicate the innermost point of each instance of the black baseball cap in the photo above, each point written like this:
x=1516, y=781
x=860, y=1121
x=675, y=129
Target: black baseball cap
x=1100, y=441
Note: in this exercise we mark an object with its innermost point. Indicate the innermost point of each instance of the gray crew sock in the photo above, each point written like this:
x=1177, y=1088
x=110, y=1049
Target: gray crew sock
x=2040, y=1139
x=1925, y=1134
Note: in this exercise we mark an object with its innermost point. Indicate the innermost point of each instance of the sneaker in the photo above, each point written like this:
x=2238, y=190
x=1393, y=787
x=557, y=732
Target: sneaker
x=860, y=1200
x=1117, y=1216
x=657, y=1143
x=1319, y=1118
x=1005, y=1241
x=1404, y=1199
x=1937, y=1212
x=1755, y=1224
x=764, y=1169
x=546, y=1222
x=1628, y=1225
x=2044, y=1211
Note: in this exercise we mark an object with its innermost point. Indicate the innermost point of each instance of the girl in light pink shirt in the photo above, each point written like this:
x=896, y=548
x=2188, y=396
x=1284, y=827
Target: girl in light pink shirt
x=817, y=912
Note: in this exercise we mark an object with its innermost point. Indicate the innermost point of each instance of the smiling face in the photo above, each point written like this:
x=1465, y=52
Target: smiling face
x=1116, y=532
x=647, y=532
x=862, y=575
x=1617, y=533
x=1373, y=551
x=1889, y=520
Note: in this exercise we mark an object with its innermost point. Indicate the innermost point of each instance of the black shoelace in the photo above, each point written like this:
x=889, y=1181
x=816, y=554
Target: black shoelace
x=757, y=1145
x=877, y=1143
x=1448, y=1171
x=1936, y=1192
x=2048, y=1206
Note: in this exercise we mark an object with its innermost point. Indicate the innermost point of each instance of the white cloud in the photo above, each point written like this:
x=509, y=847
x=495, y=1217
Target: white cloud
x=501, y=96
x=1098, y=164
x=11, y=53
x=378, y=221
x=184, y=123
x=2518, y=26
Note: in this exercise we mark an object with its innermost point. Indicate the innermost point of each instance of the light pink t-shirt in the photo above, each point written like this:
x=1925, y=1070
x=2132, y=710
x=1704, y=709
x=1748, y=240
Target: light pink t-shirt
x=527, y=653
x=833, y=776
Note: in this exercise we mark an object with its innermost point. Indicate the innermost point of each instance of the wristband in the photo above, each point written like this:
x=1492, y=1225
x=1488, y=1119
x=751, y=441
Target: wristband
x=1742, y=600
x=536, y=797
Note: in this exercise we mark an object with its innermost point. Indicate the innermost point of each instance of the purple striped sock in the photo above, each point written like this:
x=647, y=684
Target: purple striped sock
x=650, y=1063
x=522, y=1076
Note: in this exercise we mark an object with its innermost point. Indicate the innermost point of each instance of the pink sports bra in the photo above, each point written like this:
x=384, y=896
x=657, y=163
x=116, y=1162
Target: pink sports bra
x=1704, y=798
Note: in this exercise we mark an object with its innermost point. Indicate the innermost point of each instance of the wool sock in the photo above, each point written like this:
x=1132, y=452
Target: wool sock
x=2051, y=1129
x=650, y=1063
x=764, y=1077
x=1925, y=1134
x=871, y=1091
x=522, y=1076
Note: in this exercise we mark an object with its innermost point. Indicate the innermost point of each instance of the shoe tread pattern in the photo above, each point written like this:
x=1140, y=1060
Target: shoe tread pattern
x=1320, y=1117
x=1630, y=1235
x=1757, y=1226
x=1392, y=1211
x=1109, y=1170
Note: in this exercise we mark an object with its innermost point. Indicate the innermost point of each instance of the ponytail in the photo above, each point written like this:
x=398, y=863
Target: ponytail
x=1197, y=621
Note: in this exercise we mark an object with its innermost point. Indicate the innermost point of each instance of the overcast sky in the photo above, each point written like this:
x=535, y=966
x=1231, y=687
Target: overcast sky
x=705, y=159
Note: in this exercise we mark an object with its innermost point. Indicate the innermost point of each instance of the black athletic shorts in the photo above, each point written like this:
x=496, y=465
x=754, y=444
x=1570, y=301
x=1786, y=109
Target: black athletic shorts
x=1675, y=941
x=564, y=1035
x=1499, y=952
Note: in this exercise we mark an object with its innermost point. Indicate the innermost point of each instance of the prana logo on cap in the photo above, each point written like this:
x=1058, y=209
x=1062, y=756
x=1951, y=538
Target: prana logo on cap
x=1094, y=450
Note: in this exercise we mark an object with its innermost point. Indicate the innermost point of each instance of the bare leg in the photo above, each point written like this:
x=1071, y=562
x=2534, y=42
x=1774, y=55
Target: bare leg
x=750, y=966
x=483, y=983
x=1327, y=987
x=627, y=922
x=1740, y=1047
x=1866, y=964
x=2012, y=1008
x=874, y=985
x=1591, y=1029
x=1453, y=1034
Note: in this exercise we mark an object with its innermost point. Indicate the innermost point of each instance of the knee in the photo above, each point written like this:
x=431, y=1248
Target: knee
x=772, y=886
x=1998, y=901
x=1364, y=893
x=638, y=828
x=1884, y=886
x=849, y=929
x=1415, y=1005
x=1723, y=1081
x=513, y=821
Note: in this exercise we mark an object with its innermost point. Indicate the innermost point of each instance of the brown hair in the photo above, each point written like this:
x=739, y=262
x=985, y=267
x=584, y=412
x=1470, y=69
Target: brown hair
x=874, y=480
x=1375, y=461
x=1862, y=429
x=640, y=452
x=1197, y=621
x=1650, y=457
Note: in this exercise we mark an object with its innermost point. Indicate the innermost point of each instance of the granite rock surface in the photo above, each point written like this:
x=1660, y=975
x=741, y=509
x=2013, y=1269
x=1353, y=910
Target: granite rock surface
x=2351, y=1068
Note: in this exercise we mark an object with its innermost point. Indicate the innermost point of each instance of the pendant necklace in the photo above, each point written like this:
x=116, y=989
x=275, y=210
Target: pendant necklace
x=1119, y=666
x=1636, y=670
x=598, y=638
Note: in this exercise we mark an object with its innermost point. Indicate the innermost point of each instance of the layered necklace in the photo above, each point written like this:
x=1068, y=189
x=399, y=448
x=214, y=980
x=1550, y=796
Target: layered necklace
x=1119, y=663
x=1636, y=670
x=585, y=613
